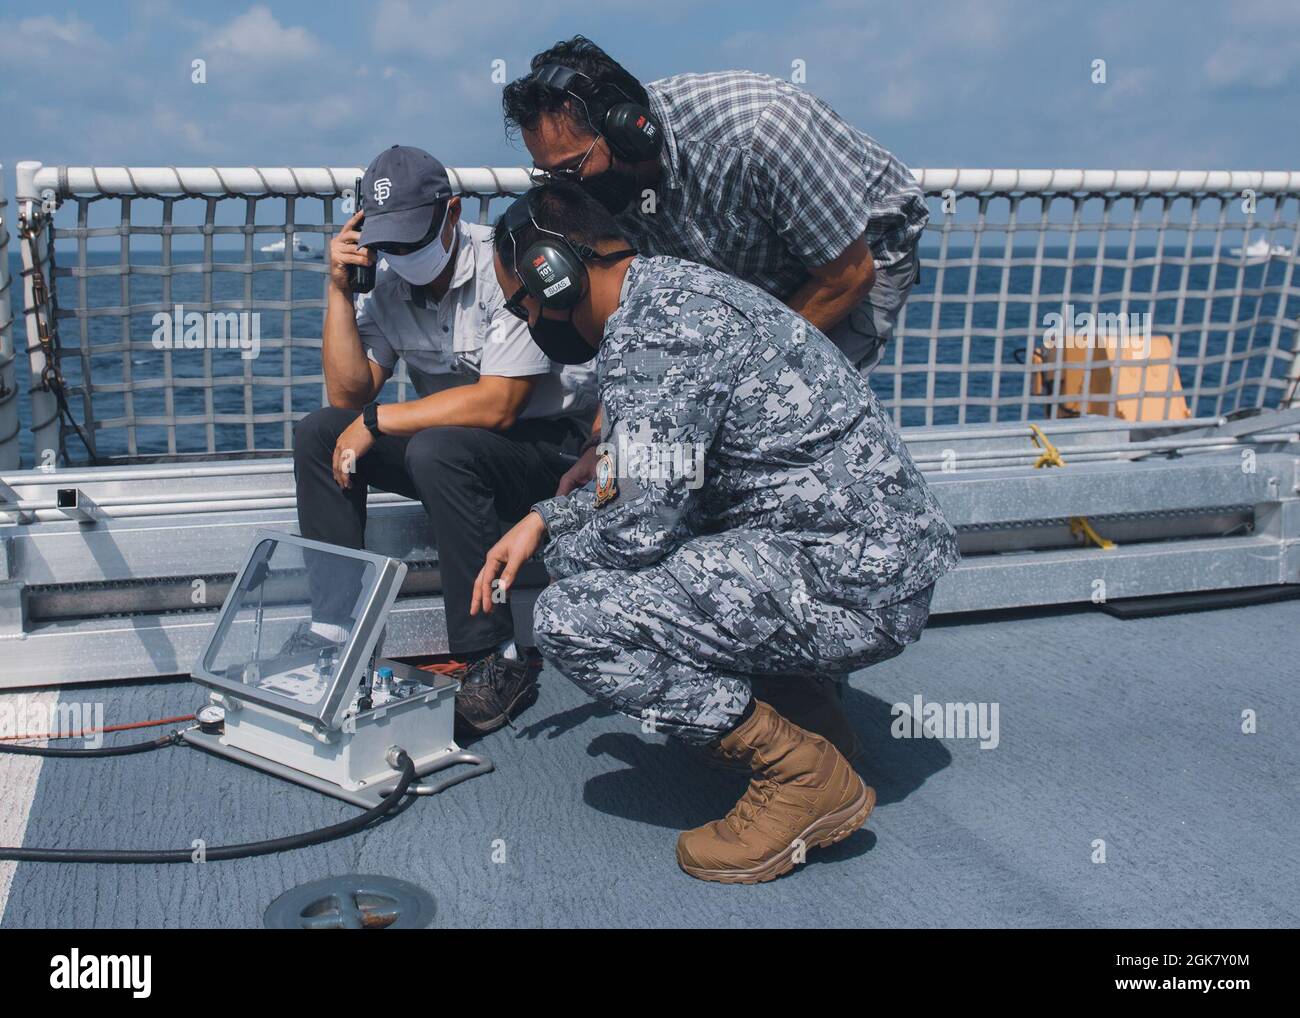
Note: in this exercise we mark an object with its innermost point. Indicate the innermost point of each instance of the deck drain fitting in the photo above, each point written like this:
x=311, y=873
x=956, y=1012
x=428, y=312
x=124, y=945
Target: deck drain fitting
x=352, y=902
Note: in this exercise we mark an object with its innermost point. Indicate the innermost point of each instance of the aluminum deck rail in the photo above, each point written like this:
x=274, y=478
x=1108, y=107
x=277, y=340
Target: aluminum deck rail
x=117, y=572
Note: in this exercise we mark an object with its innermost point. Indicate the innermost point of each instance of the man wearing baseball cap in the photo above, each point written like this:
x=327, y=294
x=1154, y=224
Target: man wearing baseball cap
x=492, y=428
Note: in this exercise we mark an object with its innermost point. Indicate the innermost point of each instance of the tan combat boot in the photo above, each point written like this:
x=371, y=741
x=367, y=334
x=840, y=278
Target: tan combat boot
x=803, y=795
x=813, y=705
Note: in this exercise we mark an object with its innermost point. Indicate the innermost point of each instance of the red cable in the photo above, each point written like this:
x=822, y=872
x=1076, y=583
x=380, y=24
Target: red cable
x=439, y=667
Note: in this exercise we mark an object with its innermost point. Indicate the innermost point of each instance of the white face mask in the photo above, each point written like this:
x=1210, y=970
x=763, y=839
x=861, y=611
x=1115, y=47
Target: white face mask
x=422, y=266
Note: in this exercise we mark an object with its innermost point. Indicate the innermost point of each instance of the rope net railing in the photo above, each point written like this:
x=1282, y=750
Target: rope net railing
x=1129, y=294
x=1044, y=294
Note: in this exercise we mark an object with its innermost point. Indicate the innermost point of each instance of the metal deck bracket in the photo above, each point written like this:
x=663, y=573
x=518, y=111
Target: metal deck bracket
x=75, y=504
x=9, y=511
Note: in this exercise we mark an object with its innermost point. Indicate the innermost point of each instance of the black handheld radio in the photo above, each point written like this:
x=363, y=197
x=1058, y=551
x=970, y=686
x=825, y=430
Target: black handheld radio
x=361, y=278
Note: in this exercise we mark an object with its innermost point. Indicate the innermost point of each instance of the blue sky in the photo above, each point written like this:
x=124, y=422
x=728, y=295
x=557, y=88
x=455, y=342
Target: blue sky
x=995, y=83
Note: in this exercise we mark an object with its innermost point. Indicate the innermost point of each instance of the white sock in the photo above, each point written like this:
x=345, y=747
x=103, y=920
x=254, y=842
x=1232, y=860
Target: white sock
x=333, y=633
x=508, y=650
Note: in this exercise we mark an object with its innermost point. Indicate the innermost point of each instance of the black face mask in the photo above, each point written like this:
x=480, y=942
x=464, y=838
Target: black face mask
x=561, y=341
x=615, y=188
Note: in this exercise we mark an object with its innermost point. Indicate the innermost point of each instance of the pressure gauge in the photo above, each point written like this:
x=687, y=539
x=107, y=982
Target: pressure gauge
x=211, y=719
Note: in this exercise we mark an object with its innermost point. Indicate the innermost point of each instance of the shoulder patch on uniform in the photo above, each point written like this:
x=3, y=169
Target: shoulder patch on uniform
x=606, y=479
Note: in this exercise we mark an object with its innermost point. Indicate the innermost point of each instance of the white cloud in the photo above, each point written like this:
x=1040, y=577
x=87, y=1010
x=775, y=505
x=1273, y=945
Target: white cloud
x=1262, y=62
x=36, y=41
x=953, y=83
x=1273, y=13
x=440, y=30
x=877, y=63
x=1260, y=48
x=257, y=36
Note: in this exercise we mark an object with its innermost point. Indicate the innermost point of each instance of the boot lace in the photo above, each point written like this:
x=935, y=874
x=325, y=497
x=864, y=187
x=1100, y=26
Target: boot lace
x=751, y=804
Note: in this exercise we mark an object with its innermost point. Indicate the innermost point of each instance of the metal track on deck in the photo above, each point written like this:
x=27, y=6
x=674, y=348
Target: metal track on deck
x=117, y=572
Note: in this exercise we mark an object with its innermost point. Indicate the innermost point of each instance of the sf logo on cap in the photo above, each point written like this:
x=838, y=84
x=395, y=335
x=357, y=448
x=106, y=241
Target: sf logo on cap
x=383, y=188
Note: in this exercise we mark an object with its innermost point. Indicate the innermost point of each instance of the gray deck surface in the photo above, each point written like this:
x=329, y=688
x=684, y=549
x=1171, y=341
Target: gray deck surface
x=1128, y=731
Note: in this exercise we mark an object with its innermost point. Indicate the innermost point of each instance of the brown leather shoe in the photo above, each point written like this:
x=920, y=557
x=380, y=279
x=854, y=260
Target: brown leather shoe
x=495, y=690
x=803, y=795
x=813, y=704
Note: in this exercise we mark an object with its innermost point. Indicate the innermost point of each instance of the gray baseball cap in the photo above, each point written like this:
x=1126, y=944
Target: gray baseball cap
x=398, y=194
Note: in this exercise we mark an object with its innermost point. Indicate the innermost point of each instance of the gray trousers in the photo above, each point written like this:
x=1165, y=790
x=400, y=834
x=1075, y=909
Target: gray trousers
x=869, y=326
x=674, y=645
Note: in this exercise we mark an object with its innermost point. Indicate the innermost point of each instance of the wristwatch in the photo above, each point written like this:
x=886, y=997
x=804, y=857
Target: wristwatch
x=370, y=417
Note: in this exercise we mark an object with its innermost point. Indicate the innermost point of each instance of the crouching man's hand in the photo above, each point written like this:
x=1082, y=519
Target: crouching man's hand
x=578, y=474
x=503, y=562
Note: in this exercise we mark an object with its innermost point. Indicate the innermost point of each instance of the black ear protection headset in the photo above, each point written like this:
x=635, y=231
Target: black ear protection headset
x=552, y=267
x=631, y=130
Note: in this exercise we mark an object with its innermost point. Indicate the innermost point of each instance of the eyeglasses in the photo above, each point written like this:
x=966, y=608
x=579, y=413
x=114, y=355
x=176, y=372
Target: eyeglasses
x=572, y=174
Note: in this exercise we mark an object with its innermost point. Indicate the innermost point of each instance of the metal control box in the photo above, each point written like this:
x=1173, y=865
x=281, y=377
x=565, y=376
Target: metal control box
x=293, y=668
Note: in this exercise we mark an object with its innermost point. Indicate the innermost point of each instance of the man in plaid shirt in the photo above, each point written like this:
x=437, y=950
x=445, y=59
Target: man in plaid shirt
x=750, y=175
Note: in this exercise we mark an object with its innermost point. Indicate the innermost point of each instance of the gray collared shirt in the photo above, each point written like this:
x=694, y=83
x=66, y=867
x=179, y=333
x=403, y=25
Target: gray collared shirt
x=466, y=335
x=762, y=179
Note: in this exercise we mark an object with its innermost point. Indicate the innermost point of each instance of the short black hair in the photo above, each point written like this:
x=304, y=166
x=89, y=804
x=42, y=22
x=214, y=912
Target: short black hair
x=525, y=99
x=565, y=208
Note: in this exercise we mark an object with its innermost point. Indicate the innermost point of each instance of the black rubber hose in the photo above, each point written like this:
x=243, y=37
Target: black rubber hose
x=223, y=852
x=122, y=750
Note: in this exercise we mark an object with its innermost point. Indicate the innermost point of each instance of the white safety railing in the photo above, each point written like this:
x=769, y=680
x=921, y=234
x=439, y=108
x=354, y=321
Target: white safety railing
x=1148, y=250
x=1207, y=257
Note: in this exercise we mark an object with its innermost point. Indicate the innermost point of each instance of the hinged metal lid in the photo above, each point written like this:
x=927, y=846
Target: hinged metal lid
x=299, y=626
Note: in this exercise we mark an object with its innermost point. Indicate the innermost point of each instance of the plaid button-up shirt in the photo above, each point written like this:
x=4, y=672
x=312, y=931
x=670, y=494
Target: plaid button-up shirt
x=761, y=180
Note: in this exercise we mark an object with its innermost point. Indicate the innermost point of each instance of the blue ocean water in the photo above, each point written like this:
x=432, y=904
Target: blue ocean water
x=111, y=347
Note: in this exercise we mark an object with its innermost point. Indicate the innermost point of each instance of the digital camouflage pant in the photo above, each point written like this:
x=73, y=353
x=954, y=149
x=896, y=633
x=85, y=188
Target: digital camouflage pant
x=676, y=643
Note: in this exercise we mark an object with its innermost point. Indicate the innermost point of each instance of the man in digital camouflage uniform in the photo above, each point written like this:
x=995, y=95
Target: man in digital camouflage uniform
x=755, y=515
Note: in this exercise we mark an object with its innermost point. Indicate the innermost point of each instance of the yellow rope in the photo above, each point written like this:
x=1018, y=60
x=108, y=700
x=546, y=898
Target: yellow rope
x=1051, y=457
x=1080, y=527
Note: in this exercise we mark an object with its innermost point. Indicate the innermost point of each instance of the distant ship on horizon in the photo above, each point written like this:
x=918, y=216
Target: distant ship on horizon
x=302, y=251
x=1261, y=251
